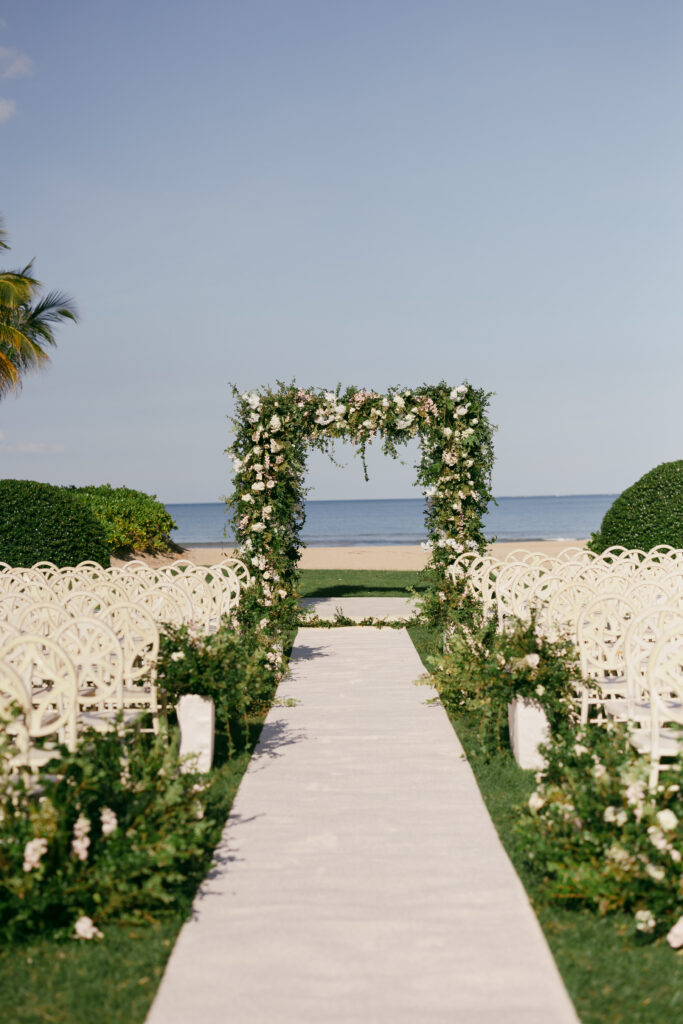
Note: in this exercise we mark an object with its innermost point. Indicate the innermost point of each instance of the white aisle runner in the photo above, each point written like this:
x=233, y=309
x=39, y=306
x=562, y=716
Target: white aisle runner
x=359, y=877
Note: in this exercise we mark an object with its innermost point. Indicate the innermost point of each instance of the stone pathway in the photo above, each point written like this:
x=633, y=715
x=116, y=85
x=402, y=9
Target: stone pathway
x=359, y=879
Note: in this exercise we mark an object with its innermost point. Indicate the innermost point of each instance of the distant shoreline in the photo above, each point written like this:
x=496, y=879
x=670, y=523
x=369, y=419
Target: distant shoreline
x=406, y=557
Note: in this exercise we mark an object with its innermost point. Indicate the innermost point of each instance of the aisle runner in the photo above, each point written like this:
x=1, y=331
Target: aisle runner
x=359, y=877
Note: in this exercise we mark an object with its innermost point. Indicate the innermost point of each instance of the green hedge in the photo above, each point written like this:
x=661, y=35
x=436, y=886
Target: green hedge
x=648, y=513
x=133, y=520
x=40, y=522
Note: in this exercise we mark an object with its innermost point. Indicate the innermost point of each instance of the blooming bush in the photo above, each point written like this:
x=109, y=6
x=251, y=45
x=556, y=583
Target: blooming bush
x=237, y=670
x=481, y=671
x=596, y=836
x=274, y=431
x=120, y=832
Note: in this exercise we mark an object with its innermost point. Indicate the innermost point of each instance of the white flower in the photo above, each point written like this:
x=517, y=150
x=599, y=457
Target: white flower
x=474, y=421
x=657, y=838
x=399, y=402
x=258, y=527
x=536, y=801
x=579, y=749
x=178, y=656
x=599, y=771
x=253, y=400
x=675, y=935
x=532, y=660
x=80, y=847
x=645, y=921
x=667, y=820
x=460, y=390
x=108, y=820
x=656, y=872
x=621, y=818
x=461, y=410
x=275, y=423
x=254, y=417
x=447, y=432
x=340, y=409
x=249, y=498
x=540, y=690
x=275, y=446
x=85, y=929
x=237, y=465
x=258, y=486
x=81, y=827
x=34, y=850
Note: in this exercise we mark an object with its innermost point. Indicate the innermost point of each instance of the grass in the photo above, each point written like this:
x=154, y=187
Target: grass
x=611, y=975
x=48, y=981
x=357, y=583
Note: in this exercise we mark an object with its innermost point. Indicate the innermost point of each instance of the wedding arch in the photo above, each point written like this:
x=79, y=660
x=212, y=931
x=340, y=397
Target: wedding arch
x=276, y=427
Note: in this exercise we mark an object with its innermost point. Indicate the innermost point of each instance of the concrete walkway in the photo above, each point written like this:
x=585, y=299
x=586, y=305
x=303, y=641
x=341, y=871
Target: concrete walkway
x=359, y=879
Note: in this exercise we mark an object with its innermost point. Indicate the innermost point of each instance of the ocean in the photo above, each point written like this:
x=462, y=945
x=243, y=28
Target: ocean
x=400, y=521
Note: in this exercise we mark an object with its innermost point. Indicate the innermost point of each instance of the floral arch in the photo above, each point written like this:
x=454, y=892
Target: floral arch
x=275, y=428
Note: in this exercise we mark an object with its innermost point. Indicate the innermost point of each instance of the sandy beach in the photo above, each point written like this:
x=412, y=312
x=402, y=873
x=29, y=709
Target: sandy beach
x=398, y=557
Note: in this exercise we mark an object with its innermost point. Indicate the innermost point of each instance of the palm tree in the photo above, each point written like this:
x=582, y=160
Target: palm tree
x=27, y=322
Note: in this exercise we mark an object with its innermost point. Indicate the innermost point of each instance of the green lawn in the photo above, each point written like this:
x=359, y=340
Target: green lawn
x=612, y=977
x=357, y=583
x=50, y=981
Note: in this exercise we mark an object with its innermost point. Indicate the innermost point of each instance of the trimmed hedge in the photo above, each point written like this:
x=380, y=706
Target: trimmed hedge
x=648, y=513
x=40, y=522
x=133, y=520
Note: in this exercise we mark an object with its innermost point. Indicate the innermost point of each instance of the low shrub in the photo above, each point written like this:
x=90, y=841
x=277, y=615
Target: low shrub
x=648, y=513
x=133, y=520
x=121, y=832
x=39, y=522
x=595, y=836
x=238, y=671
x=481, y=671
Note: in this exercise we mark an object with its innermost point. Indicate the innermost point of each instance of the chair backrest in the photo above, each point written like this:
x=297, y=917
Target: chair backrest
x=138, y=634
x=43, y=618
x=600, y=630
x=98, y=656
x=49, y=676
x=665, y=678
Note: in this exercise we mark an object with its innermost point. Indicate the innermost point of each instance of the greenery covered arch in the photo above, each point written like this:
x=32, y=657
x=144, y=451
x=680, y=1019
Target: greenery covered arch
x=275, y=429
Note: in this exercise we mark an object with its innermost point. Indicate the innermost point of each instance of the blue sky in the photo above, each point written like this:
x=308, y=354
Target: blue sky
x=371, y=193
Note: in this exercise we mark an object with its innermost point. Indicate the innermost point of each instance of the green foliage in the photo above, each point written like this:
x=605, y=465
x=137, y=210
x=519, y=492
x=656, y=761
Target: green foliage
x=121, y=831
x=133, y=520
x=237, y=670
x=27, y=322
x=594, y=835
x=481, y=671
x=275, y=430
x=41, y=522
x=648, y=513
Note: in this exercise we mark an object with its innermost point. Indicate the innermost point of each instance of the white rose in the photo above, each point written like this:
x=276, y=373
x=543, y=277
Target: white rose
x=645, y=921
x=108, y=820
x=178, y=656
x=667, y=820
x=85, y=929
x=253, y=400
x=536, y=801
x=275, y=423
x=656, y=872
x=258, y=486
x=532, y=660
x=34, y=851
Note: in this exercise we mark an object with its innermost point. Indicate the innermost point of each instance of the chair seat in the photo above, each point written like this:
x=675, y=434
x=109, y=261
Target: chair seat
x=618, y=707
x=670, y=742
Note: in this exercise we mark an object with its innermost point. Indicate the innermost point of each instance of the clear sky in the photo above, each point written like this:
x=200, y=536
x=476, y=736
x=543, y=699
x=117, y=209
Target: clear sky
x=371, y=192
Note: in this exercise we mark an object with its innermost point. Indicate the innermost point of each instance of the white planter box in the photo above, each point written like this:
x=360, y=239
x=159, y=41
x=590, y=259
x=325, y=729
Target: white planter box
x=197, y=721
x=528, y=730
